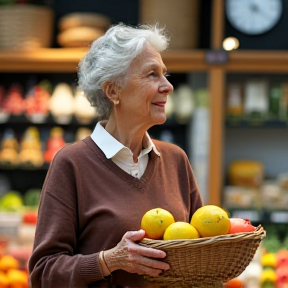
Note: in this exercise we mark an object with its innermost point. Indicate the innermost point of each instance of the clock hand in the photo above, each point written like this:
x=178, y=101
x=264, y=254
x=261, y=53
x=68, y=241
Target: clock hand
x=254, y=7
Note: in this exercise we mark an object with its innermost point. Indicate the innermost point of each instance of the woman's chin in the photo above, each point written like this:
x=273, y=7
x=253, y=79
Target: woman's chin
x=160, y=120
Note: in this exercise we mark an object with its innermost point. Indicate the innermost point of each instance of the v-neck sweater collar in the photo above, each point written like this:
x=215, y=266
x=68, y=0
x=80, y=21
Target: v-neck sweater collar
x=143, y=183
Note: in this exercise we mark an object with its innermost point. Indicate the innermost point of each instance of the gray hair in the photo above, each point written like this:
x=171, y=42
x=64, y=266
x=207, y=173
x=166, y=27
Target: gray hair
x=109, y=58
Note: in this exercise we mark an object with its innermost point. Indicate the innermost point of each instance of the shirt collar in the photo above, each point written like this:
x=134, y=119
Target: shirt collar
x=111, y=146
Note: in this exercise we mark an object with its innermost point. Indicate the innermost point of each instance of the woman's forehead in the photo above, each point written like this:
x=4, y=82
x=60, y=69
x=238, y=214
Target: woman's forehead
x=149, y=58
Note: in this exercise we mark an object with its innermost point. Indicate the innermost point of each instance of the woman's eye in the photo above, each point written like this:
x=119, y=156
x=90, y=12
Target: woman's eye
x=153, y=74
x=167, y=75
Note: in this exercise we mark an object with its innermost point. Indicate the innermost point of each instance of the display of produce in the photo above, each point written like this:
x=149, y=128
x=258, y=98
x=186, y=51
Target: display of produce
x=246, y=173
x=11, y=201
x=4, y=114
x=84, y=112
x=30, y=153
x=37, y=104
x=54, y=143
x=14, y=100
x=9, y=149
x=256, y=101
x=62, y=104
x=32, y=198
x=82, y=132
x=183, y=98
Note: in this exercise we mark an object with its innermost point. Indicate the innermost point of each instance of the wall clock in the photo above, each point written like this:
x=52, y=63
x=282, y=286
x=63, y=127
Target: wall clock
x=257, y=24
x=254, y=17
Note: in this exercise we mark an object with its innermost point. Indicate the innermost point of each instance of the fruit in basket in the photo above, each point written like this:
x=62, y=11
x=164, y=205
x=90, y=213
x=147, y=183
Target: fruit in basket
x=234, y=283
x=155, y=221
x=180, y=230
x=8, y=262
x=210, y=220
x=238, y=225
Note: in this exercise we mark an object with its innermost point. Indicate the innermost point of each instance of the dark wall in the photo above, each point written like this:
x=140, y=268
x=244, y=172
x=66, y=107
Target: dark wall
x=126, y=11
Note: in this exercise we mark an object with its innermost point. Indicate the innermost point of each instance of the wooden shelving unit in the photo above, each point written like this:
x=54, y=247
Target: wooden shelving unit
x=66, y=60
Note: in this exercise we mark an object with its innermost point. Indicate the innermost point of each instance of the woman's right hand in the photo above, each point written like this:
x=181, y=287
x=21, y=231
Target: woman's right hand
x=134, y=258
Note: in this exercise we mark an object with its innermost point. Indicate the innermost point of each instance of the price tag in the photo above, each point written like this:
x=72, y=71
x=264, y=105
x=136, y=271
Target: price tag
x=216, y=57
x=279, y=217
x=253, y=216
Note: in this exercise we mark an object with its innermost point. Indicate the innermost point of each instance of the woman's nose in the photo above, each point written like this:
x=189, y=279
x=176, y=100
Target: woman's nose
x=166, y=86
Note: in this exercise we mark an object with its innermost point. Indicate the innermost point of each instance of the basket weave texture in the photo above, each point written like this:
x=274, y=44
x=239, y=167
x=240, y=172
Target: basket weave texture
x=25, y=26
x=206, y=262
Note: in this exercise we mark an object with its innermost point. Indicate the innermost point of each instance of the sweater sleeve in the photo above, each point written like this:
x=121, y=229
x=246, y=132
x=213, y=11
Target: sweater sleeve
x=54, y=261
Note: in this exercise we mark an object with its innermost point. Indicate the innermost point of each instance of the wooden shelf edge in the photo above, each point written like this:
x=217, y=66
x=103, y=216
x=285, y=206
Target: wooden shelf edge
x=41, y=60
x=67, y=59
x=257, y=61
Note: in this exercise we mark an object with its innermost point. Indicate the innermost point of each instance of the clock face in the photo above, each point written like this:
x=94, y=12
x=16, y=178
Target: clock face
x=253, y=17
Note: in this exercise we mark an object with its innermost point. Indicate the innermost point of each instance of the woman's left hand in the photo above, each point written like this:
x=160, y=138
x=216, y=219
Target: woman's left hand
x=134, y=258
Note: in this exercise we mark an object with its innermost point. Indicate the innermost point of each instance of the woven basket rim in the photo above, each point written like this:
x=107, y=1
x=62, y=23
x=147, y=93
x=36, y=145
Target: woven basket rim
x=259, y=233
x=226, y=256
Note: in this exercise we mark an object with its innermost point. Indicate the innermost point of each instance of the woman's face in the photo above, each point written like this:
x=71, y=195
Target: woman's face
x=144, y=93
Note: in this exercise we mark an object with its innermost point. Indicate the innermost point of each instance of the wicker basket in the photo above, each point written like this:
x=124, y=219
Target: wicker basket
x=180, y=19
x=206, y=262
x=25, y=26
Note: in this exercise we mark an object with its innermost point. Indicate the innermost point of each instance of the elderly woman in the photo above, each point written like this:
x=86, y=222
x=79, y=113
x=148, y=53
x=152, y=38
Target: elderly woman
x=97, y=189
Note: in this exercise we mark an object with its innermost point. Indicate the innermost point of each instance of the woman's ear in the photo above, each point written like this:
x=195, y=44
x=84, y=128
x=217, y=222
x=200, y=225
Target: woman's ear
x=111, y=90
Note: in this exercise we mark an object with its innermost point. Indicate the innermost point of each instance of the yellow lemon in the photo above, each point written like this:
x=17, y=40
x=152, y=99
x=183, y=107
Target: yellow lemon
x=211, y=220
x=180, y=230
x=155, y=222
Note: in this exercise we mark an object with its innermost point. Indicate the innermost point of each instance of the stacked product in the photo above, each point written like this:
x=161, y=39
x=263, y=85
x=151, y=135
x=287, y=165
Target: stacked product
x=81, y=29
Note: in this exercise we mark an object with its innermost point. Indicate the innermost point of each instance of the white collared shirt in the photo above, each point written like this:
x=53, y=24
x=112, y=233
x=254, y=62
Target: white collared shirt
x=121, y=155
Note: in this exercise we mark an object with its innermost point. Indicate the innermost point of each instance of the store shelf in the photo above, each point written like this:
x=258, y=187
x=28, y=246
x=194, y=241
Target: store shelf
x=259, y=215
x=41, y=60
x=257, y=61
x=232, y=123
x=66, y=60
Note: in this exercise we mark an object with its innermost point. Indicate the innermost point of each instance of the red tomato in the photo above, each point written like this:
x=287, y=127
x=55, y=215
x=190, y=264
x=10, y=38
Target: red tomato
x=240, y=225
x=234, y=283
x=30, y=217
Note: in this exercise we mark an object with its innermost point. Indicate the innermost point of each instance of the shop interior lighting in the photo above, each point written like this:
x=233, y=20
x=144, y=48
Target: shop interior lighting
x=230, y=43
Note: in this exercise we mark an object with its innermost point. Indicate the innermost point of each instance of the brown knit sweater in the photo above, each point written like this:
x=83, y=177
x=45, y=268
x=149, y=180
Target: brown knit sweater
x=88, y=203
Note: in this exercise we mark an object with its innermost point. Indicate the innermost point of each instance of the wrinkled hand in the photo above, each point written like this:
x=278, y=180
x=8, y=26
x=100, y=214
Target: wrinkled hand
x=134, y=258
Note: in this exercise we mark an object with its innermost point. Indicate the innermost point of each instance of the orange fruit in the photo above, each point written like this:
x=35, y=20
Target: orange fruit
x=18, y=278
x=4, y=280
x=8, y=262
x=180, y=230
x=155, y=221
x=210, y=220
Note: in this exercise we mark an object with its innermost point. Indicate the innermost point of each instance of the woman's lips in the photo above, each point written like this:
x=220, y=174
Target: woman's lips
x=161, y=104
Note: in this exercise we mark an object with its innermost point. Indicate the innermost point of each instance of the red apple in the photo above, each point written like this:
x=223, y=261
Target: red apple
x=238, y=225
